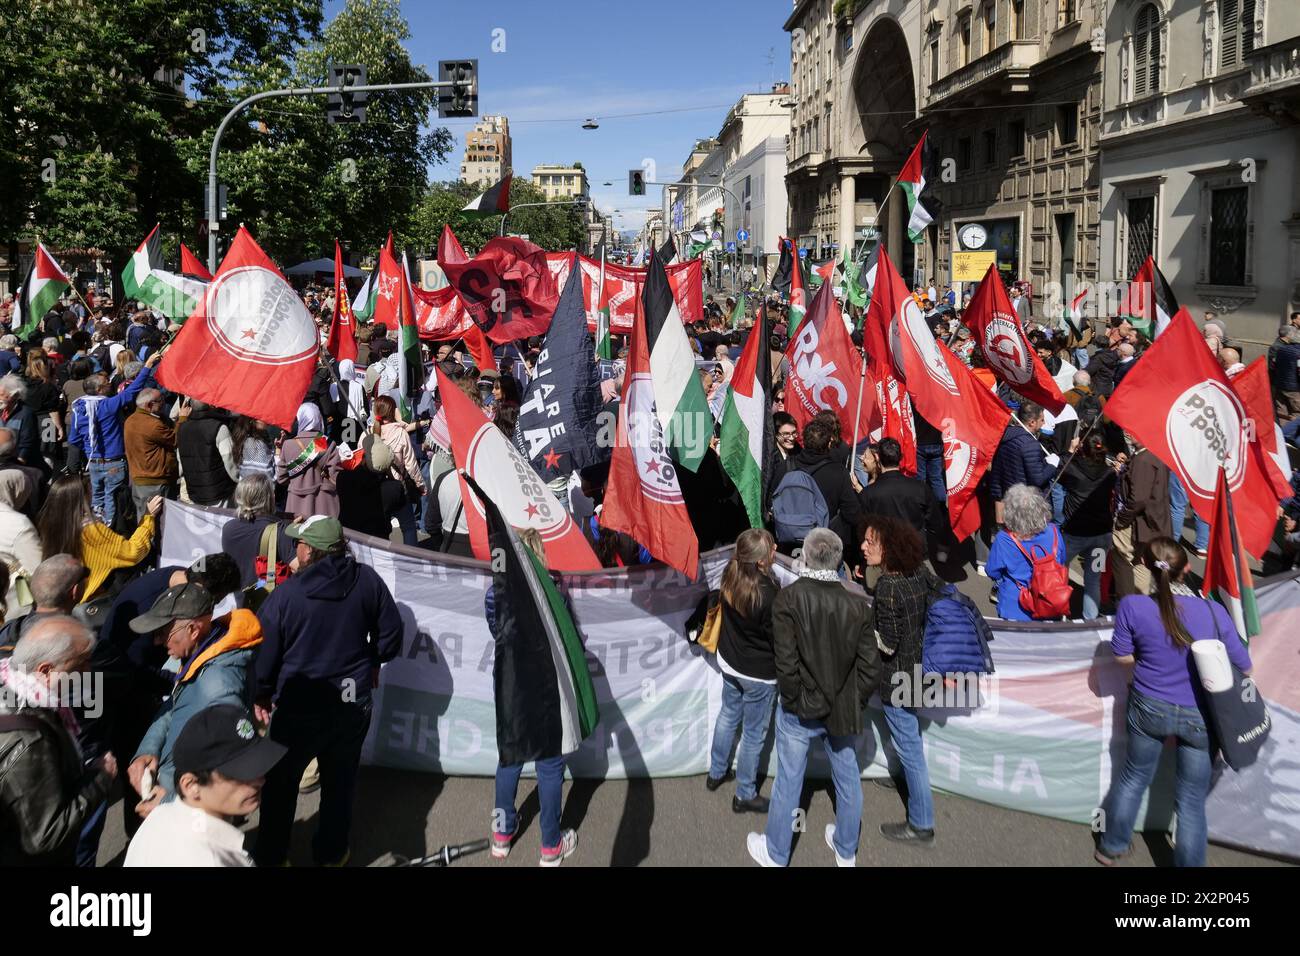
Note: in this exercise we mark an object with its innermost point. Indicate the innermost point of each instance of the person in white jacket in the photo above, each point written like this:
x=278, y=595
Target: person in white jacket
x=20, y=545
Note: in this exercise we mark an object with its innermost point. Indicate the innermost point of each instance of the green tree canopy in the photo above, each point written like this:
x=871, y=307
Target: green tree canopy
x=556, y=226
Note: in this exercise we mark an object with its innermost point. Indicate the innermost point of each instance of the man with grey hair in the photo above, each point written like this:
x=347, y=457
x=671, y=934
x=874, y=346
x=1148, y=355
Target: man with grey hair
x=149, y=440
x=9, y=359
x=18, y=418
x=37, y=481
x=46, y=794
x=827, y=666
x=1127, y=359
x=1284, y=373
x=57, y=585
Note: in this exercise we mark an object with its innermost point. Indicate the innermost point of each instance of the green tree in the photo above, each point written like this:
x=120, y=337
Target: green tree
x=556, y=226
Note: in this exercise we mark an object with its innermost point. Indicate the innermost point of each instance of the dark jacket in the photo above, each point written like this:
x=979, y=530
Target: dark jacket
x=1019, y=460
x=827, y=663
x=901, y=601
x=27, y=436
x=1089, y=487
x=1143, y=508
x=325, y=632
x=908, y=499
x=1101, y=367
x=206, y=478
x=1122, y=369
x=242, y=540
x=1283, y=369
x=45, y=792
x=833, y=481
x=746, y=642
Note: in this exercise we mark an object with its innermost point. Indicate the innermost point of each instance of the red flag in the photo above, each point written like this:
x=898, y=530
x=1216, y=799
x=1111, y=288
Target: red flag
x=440, y=315
x=625, y=285
x=893, y=405
x=342, y=342
x=507, y=288
x=1180, y=405
x=251, y=344
x=388, y=293
x=449, y=248
x=388, y=246
x=1253, y=388
x=969, y=416
x=489, y=457
x=191, y=266
x=1001, y=337
x=643, y=498
x=826, y=370
x=480, y=348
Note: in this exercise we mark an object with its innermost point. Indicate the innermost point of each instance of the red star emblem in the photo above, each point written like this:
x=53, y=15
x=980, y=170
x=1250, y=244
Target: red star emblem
x=652, y=465
x=250, y=333
x=531, y=510
x=552, y=459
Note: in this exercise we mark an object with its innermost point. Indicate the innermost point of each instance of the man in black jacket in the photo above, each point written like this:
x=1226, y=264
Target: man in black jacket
x=46, y=794
x=896, y=495
x=827, y=666
x=832, y=478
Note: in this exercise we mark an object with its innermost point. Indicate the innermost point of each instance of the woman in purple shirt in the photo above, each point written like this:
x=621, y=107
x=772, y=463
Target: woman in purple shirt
x=1155, y=634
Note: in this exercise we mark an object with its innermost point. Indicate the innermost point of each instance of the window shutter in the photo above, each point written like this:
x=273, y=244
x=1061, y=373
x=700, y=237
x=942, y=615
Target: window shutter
x=1229, y=36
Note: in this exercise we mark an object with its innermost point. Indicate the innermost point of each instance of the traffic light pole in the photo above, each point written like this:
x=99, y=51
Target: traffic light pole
x=214, y=224
x=525, y=205
x=717, y=281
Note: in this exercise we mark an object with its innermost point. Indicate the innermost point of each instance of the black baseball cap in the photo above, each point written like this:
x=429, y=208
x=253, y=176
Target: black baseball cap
x=178, y=603
x=223, y=738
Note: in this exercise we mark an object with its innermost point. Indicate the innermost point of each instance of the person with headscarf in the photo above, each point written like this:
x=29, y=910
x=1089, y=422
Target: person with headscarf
x=310, y=463
x=349, y=394
x=20, y=545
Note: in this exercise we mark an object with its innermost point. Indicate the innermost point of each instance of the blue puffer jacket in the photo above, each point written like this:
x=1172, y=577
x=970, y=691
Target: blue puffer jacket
x=220, y=672
x=1019, y=460
x=956, y=636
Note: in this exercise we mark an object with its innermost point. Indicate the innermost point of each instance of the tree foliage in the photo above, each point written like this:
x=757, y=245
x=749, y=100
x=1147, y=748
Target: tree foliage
x=558, y=225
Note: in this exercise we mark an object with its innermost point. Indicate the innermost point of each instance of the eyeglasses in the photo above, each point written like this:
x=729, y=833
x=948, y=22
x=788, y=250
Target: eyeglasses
x=789, y=434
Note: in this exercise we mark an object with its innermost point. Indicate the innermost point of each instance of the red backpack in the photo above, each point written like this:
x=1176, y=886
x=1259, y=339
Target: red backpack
x=1048, y=592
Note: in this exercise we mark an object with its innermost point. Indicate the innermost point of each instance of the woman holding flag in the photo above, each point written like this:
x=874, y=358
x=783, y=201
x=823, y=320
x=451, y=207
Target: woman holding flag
x=309, y=462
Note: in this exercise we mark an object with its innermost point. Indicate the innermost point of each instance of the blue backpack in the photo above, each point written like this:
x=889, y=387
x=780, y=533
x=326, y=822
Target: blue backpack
x=956, y=636
x=797, y=507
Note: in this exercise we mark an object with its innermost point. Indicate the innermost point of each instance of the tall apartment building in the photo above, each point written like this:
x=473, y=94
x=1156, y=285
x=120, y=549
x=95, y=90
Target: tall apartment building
x=560, y=182
x=487, y=151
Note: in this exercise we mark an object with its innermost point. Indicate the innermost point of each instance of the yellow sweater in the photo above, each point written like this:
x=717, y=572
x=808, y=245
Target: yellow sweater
x=103, y=551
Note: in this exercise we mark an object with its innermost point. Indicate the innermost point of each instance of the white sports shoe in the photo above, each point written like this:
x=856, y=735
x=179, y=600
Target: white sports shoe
x=555, y=855
x=756, y=843
x=830, y=842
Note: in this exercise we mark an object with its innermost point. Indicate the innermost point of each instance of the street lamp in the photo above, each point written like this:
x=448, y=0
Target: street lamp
x=591, y=124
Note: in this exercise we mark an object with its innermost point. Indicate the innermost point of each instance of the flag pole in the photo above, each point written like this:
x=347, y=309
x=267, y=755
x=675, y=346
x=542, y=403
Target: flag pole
x=857, y=417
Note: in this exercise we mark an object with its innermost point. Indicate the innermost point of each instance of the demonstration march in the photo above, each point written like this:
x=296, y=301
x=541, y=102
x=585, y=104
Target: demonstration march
x=871, y=538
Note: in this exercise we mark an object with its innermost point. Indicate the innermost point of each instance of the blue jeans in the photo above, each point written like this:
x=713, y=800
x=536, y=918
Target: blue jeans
x=406, y=522
x=905, y=731
x=1058, y=504
x=1150, y=721
x=747, y=706
x=793, y=738
x=105, y=478
x=1178, y=512
x=91, y=831
x=929, y=468
x=550, y=791
x=1093, y=549
x=1291, y=430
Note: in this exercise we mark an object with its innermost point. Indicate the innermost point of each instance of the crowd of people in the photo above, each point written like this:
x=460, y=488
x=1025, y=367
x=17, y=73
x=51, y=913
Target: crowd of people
x=245, y=678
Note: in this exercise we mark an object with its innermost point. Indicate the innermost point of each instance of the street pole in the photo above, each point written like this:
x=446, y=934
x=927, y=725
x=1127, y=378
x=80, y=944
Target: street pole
x=525, y=205
x=213, y=224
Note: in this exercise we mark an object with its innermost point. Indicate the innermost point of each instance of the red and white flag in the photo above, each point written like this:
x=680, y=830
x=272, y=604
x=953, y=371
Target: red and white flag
x=1178, y=402
x=826, y=371
x=440, y=315
x=1253, y=388
x=342, y=341
x=389, y=291
x=250, y=346
x=1002, y=339
x=643, y=498
x=489, y=457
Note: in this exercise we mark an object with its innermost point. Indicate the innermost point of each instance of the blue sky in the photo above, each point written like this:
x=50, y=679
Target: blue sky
x=565, y=61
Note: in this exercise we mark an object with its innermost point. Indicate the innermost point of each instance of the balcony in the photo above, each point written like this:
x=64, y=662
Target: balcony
x=1274, y=88
x=806, y=163
x=1004, y=71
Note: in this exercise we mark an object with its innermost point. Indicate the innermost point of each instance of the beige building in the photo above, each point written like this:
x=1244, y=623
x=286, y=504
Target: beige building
x=487, y=152
x=560, y=182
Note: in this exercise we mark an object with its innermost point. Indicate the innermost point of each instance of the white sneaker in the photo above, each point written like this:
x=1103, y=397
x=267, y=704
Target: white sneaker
x=830, y=842
x=555, y=855
x=979, y=569
x=756, y=843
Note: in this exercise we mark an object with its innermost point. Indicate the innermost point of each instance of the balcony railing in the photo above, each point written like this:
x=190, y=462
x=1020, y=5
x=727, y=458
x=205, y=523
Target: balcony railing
x=1275, y=66
x=1011, y=61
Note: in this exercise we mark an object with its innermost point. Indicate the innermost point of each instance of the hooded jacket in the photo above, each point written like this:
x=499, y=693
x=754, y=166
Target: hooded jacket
x=326, y=631
x=219, y=672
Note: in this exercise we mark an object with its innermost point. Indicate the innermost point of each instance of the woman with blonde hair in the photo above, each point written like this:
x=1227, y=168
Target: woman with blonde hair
x=404, y=471
x=748, y=665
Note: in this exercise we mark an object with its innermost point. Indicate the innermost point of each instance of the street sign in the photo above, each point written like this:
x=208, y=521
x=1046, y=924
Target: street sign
x=742, y=235
x=717, y=234
x=731, y=247
x=972, y=266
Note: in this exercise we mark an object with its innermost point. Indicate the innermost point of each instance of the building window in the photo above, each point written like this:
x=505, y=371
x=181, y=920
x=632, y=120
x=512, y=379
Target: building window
x=1065, y=248
x=934, y=60
x=990, y=25
x=963, y=29
x=1229, y=217
x=1017, y=19
x=817, y=136
x=1236, y=32
x=990, y=147
x=1067, y=124
x=848, y=40
x=963, y=153
x=1140, y=219
x=1016, y=139
x=1146, y=51
x=1066, y=12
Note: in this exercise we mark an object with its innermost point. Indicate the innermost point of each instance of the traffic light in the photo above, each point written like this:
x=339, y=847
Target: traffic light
x=635, y=182
x=346, y=107
x=462, y=98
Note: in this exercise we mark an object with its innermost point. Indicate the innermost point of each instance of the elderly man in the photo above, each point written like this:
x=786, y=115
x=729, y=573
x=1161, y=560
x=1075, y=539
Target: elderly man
x=1127, y=356
x=96, y=428
x=150, y=444
x=827, y=666
x=18, y=418
x=36, y=479
x=1284, y=375
x=1230, y=359
x=46, y=793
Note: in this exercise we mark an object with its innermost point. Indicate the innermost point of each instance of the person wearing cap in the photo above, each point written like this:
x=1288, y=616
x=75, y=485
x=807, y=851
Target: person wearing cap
x=216, y=660
x=326, y=632
x=221, y=767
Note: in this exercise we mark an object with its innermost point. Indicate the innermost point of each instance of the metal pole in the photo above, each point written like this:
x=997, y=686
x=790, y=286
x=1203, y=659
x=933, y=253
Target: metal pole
x=525, y=205
x=213, y=224
x=857, y=416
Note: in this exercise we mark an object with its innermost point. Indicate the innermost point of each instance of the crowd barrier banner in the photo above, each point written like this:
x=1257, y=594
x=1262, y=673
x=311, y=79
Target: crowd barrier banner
x=1044, y=735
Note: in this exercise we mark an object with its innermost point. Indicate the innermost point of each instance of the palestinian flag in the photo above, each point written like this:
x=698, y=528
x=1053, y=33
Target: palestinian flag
x=1074, y=315
x=410, y=371
x=545, y=700
x=746, y=443
x=668, y=252
x=144, y=278
x=192, y=266
x=911, y=180
x=682, y=407
x=45, y=282
x=738, y=313
x=1149, y=303
x=824, y=273
x=604, y=347
x=494, y=202
x=363, y=306
x=854, y=294
x=1227, y=569
x=798, y=293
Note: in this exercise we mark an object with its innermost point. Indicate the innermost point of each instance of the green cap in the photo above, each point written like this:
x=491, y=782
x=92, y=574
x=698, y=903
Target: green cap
x=179, y=603
x=318, y=531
